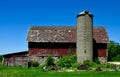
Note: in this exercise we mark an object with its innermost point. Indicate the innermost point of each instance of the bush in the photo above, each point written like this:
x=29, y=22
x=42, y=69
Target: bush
x=75, y=65
x=33, y=64
x=67, y=61
x=50, y=61
x=89, y=63
x=109, y=66
x=63, y=62
x=73, y=58
x=97, y=61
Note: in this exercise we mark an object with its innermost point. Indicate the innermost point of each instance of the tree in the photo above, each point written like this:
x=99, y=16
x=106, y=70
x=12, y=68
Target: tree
x=117, y=58
x=113, y=50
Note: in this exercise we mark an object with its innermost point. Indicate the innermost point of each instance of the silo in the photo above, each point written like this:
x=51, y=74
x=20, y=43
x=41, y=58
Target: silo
x=84, y=36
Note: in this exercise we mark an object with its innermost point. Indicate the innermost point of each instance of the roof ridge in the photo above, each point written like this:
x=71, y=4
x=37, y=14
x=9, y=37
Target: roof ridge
x=50, y=27
x=54, y=26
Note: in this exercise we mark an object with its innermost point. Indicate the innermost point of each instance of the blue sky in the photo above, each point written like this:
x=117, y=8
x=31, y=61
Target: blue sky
x=16, y=16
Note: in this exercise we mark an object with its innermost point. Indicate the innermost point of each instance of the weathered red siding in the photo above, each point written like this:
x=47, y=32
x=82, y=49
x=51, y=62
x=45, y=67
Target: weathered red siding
x=51, y=51
x=100, y=49
x=102, y=53
x=63, y=49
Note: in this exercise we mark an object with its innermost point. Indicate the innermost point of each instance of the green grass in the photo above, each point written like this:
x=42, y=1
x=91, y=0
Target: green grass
x=36, y=72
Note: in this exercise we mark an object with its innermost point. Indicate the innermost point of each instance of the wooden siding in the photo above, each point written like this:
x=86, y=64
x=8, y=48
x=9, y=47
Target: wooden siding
x=100, y=49
x=16, y=59
x=51, y=49
x=63, y=49
x=102, y=53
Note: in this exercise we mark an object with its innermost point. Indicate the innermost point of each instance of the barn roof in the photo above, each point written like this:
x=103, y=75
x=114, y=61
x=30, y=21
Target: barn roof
x=62, y=34
x=100, y=35
x=16, y=53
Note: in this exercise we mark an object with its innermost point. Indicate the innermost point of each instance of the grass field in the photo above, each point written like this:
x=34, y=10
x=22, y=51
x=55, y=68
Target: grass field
x=36, y=72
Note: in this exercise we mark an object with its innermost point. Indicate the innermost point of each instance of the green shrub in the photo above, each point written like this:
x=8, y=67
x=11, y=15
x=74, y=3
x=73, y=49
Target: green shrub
x=97, y=61
x=103, y=65
x=89, y=63
x=64, y=62
x=73, y=58
x=33, y=64
x=75, y=65
x=109, y=66
x=67, y=61
x=50, y=61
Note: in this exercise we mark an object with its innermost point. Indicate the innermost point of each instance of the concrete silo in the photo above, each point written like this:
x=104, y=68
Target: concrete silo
x=84, y=36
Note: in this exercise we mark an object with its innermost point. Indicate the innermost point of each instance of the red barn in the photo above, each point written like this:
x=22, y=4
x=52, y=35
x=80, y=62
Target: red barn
x=57, y=41
x=61, y=41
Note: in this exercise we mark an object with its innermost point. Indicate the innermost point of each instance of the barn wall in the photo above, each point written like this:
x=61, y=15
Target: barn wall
x=8, y=61
x=40, y=51
x=100, y=52
x=15, y=60
x=42, y=59
x=21, y=60
x=51, y=49
x=41, y=54
x=102, y=49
